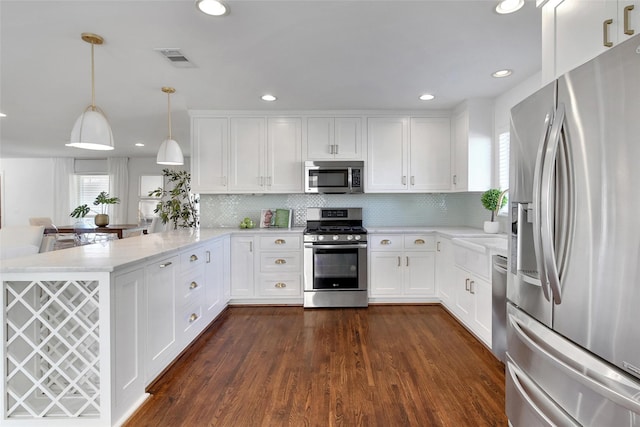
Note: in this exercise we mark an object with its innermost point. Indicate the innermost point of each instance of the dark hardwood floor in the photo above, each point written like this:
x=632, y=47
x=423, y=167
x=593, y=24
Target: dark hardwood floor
x=399, y=365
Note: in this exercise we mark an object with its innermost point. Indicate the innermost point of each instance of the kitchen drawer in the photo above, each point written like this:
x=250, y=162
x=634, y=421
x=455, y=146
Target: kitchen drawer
x=280, y=261
x=386, y=242
x=288, y=241
x=472, y=261
x=190, y=322
x=190, y=287
x=192, y=258
x=420, y=242
x=280, y=285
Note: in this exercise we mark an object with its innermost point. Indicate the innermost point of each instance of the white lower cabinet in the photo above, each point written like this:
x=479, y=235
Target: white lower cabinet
x=445, y=271
x=472, y=292
x=277, y=260
x=402, y=266
x=217, y=274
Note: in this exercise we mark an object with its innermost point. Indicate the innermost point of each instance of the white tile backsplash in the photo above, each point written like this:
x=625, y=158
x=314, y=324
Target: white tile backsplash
x=448, y=209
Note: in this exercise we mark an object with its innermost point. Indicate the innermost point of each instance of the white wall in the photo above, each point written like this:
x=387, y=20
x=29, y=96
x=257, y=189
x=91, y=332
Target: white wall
x=27, y=190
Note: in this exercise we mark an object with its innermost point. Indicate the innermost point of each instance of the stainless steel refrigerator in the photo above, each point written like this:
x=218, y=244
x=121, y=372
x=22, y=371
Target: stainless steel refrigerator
x=573, y=288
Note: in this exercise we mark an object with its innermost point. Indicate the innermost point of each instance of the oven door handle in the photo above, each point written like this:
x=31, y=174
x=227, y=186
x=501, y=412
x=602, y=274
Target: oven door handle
x=338, y=246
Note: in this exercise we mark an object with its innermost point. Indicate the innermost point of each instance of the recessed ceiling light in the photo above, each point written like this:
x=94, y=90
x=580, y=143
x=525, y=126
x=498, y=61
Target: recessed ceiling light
x=509, y=6
x=502, y=73
x=426, y=97
x=268, y=98
x=3, y=115
x=212, y=7
x=139, y=144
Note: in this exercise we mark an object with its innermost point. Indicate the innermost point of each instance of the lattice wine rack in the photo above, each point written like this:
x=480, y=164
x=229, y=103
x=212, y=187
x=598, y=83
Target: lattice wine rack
x=52, y=349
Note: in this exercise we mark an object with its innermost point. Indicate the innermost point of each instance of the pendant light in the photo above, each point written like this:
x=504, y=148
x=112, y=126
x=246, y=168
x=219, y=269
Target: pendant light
x=92, y=131
x=170, y=152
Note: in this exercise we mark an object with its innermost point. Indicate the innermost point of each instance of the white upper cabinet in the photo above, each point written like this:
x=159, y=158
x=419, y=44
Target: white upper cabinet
x=575, y=31
x=472, y=130
x=408, y=154
x=334, y=138
x=265, y=155
x=209, y=154
x=430, y=154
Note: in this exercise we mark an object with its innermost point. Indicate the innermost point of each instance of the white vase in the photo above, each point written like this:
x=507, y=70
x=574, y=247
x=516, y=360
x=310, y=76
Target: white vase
x=491, y=227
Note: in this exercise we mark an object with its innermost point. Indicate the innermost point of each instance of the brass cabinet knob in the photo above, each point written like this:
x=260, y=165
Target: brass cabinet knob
x=193, y=317
x=385, y=242
x=419, y=242
x=280, y=242
x=280, y=285
x=193, y=257
x=280, y=261
x=193, y=285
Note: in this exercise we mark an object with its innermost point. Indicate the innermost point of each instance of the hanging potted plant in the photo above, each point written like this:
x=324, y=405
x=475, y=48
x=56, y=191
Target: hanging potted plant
x=102, y=200
x=177, y=204
x=493, y=200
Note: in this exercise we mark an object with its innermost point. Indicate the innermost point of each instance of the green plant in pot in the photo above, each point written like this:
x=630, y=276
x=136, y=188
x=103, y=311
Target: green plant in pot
x=177, y=204
x=493, y=200
x=102, y=200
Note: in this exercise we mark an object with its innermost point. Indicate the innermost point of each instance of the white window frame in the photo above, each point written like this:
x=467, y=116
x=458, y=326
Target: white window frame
x=91, y=192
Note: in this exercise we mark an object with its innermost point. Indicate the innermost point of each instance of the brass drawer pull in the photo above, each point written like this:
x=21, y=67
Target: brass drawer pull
x=605, y=33
x=280, y=285
x=627, y=30
x=280, y=242
x=193, y=317
x=419, y=242
x=166, y=264
x=193, y=285
x=471, y=287
x=385, y=242
x=281, y=261
x=193, y=258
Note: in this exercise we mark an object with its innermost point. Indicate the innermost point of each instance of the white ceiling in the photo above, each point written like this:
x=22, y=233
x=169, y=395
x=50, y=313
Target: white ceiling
x=312, y=54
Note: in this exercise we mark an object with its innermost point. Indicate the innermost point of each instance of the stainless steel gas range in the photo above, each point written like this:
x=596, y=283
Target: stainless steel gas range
x=335, y=258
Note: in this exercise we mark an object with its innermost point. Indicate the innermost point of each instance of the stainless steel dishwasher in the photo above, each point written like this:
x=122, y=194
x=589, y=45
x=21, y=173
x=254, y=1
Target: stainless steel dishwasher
x=499, y=307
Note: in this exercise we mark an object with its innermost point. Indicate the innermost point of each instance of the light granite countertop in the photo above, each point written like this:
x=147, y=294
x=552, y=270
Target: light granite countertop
x=116, y=254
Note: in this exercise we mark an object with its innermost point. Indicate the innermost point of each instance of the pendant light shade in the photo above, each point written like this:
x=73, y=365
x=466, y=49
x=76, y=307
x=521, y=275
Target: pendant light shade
x=92, y=131
x=170, y=152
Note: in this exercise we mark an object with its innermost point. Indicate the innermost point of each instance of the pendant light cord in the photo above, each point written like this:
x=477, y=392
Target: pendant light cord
x=169, y=112
x=93, y=87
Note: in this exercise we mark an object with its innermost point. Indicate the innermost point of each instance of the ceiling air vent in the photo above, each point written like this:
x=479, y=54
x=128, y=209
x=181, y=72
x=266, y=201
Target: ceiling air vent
x=176, y=57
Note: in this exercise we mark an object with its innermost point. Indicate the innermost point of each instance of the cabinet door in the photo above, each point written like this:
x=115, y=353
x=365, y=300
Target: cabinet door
x=387, y=140
x=460, y=146
x=419, y=274
x=385, y=273
x=161, y=315
x=247, y=154
x=214, y=278
x=284, y=156
x=463, y=297
x=209, y=154
x=430, y=154
x=128, y=331
x=320, y=138
x=348, y=140
x=445, y=271
x=579, y=31
x=242, y=266
x=481, y=291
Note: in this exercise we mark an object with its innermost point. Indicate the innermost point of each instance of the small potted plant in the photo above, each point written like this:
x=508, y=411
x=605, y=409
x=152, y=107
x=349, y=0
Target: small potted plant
x=102, y=218
x=493, y=200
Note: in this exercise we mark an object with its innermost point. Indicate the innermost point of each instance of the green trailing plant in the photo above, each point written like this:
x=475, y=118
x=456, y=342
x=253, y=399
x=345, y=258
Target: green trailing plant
x=490, y=200
x=101, y=200
x=177, y=204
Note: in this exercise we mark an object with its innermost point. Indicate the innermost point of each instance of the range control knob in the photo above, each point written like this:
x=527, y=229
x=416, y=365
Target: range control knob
x=358, y=237
x=320, y=237
x=336, y=237
x=349, y=237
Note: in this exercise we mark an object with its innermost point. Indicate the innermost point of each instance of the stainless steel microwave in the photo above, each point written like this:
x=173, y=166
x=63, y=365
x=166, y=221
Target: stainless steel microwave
x=334, y=176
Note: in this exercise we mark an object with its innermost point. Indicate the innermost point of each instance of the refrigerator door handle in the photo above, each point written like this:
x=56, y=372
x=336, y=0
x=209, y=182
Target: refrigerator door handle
x=537, y=194
x=530, y=393
x=610, y=385
x=546, y=205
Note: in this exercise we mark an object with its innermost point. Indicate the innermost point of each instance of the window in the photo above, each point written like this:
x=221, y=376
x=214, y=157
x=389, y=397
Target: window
x=503, y=165
x=87, y=188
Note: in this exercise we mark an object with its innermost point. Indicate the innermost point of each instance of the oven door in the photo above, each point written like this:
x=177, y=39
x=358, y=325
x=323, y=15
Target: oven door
x=335, y=267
